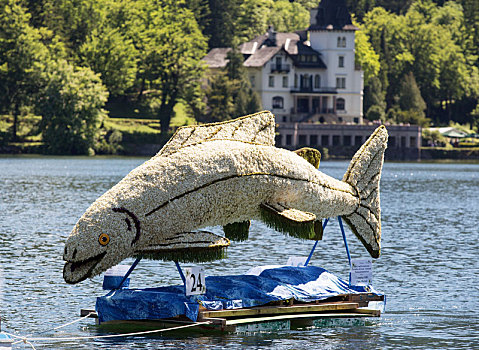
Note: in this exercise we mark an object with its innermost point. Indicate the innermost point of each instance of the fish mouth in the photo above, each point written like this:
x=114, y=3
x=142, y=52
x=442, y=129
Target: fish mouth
x=77, y=271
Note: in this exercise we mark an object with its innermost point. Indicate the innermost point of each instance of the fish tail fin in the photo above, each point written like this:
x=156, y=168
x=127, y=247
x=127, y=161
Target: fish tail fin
x=363, y=175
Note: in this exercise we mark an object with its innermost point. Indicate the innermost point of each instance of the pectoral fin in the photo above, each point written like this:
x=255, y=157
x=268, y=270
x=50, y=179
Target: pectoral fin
x=199, y=246
x=237, y=231
x=294, y=222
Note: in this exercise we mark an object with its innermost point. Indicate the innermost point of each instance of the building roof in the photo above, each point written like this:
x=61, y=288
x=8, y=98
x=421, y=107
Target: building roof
x=332, y=15
x=450, y=132
x=261, y=49
x=216, y=58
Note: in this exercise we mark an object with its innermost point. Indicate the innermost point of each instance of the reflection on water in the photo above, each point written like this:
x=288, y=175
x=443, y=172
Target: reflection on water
x=428, y=267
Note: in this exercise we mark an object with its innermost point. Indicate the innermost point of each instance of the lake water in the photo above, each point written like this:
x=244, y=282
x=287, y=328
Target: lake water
x=428, y=269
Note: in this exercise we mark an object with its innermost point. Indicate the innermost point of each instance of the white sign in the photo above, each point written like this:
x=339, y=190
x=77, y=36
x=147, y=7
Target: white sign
x=297, y=261
x=361, y=272
x=195, y=280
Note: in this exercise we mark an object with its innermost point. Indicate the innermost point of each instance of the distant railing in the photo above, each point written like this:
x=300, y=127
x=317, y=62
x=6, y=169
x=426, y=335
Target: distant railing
x=280, y=68
x=325, y=89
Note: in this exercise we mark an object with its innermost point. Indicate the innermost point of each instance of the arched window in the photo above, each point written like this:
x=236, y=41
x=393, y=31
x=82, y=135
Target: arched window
x=278, y=102
x=317, y=81
x=339, y=41
x=340, y=104
x=343, y=42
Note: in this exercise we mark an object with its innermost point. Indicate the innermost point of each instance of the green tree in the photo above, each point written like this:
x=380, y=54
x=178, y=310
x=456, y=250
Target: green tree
x=170, y=46
x=365, y=56
x=286, y=16
x=410, y=96
x=23, y=58
x=71, y=109
x=220, y=98
x=374, y=96
x=220, y=28
x=107, y=52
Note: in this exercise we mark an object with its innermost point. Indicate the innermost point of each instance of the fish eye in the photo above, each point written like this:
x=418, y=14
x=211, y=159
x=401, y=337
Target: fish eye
x=104, y=239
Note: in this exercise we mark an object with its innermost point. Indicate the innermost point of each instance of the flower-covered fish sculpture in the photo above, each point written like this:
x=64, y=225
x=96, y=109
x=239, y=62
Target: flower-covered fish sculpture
x=223, y=174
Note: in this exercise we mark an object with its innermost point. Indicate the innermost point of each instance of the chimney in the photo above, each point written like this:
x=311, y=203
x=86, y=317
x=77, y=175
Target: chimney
x=271, y=40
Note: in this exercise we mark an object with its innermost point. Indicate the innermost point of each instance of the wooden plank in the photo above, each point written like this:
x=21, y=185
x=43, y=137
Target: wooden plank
x=277, y=310
x=85, y=312
x=372, y=312
x=294, y=316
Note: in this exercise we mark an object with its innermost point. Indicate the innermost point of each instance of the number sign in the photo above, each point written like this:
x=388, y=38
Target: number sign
x=195, y=280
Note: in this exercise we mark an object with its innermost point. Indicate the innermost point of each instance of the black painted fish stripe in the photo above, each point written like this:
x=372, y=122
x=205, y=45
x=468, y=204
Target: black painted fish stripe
x=135, y=220
x=239, y=176
x=152, y=247
x=189, y=136
x=365, y=219
x=213, y=134
x=264, y=127
x=240, y=124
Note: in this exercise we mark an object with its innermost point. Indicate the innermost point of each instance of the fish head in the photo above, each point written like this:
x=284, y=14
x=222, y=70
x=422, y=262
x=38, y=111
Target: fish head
x=102, y=238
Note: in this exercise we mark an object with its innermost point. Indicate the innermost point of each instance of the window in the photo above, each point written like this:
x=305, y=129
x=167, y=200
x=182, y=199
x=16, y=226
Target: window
x=288, y=140
x=324, y=140
x=302, y=140
x=285, y=81
x=391, y=141
x=313, y=140
x=336, y=140
x=317, y=81
x=277, y=140
x=252, y=80
x=358, y=140
x=271, y=81
x=347, y=140
x=341, y=41
x=412, y=142
x=278, y=102
x=296, y=80
x=306, y=81
x=340, y=104
x=356, y=120
x=340, y=82
x=341, y=61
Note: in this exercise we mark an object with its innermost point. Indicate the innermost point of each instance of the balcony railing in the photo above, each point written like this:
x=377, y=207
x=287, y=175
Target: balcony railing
x=314, y=110
x=325, y=90
x=280, y=68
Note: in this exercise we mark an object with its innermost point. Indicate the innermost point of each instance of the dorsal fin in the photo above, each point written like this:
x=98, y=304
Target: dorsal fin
x=256, y=128
x=313, y=156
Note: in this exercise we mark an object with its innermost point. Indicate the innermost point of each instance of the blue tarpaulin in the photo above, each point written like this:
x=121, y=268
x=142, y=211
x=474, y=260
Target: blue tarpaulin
x=258, y=287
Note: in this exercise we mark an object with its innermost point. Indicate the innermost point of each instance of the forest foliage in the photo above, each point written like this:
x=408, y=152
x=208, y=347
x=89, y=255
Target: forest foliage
x=66, y=61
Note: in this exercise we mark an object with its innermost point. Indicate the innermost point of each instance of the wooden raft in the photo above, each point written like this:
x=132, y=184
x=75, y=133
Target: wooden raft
x=283, y=315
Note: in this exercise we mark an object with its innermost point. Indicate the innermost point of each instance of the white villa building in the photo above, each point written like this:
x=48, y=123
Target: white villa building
x=308, y=76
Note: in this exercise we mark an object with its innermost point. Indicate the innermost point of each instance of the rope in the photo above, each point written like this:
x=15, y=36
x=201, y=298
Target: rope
x=54, y=329
x=28, y=340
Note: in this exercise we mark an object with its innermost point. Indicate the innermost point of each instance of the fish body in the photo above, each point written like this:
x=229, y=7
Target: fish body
x=196, y=182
